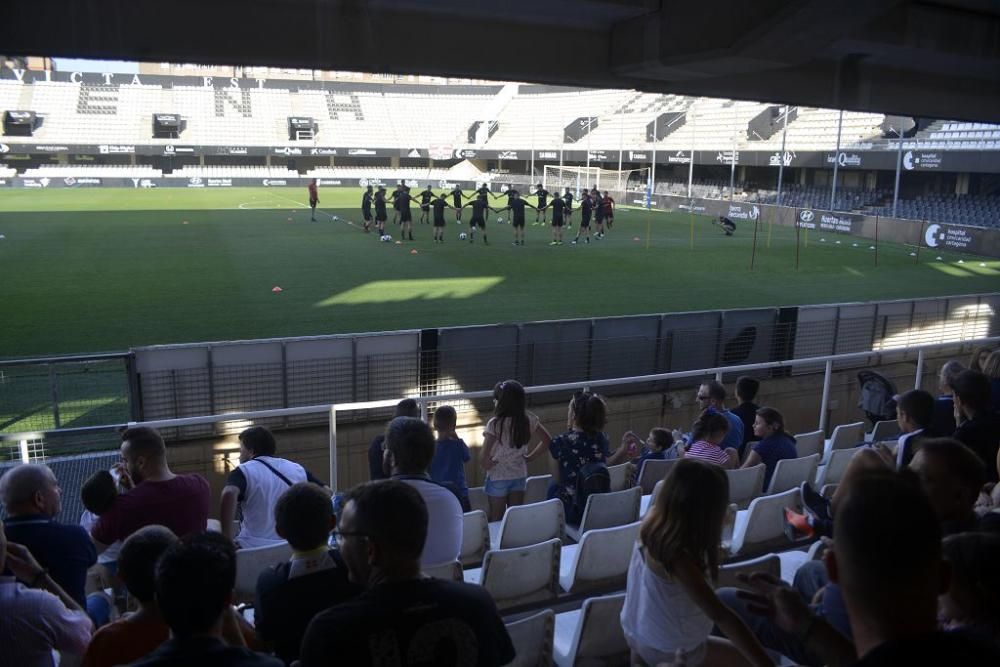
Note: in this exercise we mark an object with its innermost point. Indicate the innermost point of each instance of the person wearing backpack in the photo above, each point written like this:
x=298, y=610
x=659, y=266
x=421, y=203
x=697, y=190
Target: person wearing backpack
x=583, y=454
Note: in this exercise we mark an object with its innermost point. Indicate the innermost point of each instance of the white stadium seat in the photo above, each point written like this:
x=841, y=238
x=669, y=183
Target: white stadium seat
x=519, y=576
x=653, y=471
x=621, y=476
x=790, y=473
x=529, y=524
x=844, y=436
x=730, y=572
x=809, y=443
x=761, y=526
x=251, y=562
x=536, y=489
x=599, y=560
x=604, y=510
x=592, y=635
x=745, y=484
x=451, y=570
x=834, y=470
x=532, y=638
x=475, y=537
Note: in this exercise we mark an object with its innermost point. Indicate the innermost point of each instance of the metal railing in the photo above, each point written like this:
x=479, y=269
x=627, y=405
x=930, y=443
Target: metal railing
x=333, y=410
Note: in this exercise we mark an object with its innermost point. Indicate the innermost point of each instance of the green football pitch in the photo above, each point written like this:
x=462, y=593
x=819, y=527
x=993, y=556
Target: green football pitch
x=89, y=270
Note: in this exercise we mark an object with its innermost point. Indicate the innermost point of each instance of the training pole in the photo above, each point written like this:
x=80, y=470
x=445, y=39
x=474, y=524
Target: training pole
x=876, y=239
x=770, y=225
x=649, y=224
x=753, y=252
x=923, y=230
x=796, y=246
x=691, y=220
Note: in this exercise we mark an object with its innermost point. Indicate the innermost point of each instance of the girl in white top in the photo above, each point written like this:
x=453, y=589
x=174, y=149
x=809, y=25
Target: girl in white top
x=670, y=605
x=505, y=456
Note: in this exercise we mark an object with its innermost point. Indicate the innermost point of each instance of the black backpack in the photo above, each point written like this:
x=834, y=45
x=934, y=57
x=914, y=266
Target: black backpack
x=592, y=478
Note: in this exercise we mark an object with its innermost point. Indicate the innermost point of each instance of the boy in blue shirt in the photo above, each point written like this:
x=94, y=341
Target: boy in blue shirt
x=451, y=454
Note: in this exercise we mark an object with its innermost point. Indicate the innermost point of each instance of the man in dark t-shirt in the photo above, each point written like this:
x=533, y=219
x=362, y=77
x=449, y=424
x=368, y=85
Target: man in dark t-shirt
x=290, y=594
x=516, y=206
x=380, y=210
x=557, y=205
x=155, y=496
x=376, y=450
x=456, y=202
x=425, y=204
x=543, y=200
x=439, y=204
x=586, y=210
x=366, y=207
x=746, y=392
x=402, y=618
x=480, y=207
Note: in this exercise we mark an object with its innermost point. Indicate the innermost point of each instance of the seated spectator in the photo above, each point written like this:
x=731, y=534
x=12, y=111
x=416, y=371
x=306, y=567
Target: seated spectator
x=773, y=445
x=978, y=358
x=402, y=617
x=972, y=603
x=978, y=425
x=708, y=435
x=256, y=485
x=943, y=422
x=991, y=369
x=658, y=446
x=892, y=601
x=505, y=453
x=450, y=454
x=409, y=450
x=713, y=395
x=38, y=618
x=951, y=476
x=670, y=606
x=746, y=393
x=290, y=594
x=582, y=446
x=155, y=496
x=194, y=591
x=98, y=494
x=32, y=499
x=914, y=412
x=376, y=451
x=135, y=635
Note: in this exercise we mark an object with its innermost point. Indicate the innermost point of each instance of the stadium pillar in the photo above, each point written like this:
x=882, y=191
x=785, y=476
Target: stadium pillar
x=899, y=165
x=920, y=369
x=827, y=375
x=836, y=159
x=532, y=148
x=691, y=160
x=732, y=161
x=333, y=448
x=652, y=171
x=781, y=158
x=621, y=144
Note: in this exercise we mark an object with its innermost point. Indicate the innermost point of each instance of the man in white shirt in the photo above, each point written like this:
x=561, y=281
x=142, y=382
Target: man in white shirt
x=409, y=451
x=37, y=619
x=256, y=485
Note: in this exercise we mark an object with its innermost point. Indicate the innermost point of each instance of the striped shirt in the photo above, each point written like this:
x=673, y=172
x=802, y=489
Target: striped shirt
x=707, y=452
x=33, y=623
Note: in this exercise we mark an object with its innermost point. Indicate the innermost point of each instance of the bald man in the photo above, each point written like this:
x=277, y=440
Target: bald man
x=32, y=498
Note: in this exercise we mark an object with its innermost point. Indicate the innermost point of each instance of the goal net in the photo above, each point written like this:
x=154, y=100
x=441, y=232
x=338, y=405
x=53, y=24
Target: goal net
x=556, y=179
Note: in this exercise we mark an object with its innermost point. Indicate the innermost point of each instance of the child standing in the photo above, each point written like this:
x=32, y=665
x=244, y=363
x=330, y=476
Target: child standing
x=670, y=605
x=504, y=456
x=583, y=444
x=450, y=454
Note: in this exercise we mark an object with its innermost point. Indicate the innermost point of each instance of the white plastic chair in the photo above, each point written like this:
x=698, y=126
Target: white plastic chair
x=451, y=570
x=621, y=476
x=845, y=436
x=835, y=468
x=807, y=444
x=536, y=489
x=519, y=576
x=600, y=559
x=647, y=501
x=478, y=499
x=791, y=561
x=790, y=473
x=745, y=484
x=592, y=635
x=475, y=538
x=652, y=471
x=251, y=562
x=761, y=526
x=531, y=524
x=729, y=573
x=604, y=510
x=532, y=638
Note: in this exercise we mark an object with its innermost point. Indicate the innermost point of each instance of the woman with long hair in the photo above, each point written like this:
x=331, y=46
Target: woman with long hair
x=670, y=602
x=773, y=443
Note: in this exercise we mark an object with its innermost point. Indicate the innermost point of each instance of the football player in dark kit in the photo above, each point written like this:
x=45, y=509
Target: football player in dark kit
x=568, y=198
x=405, y=215
x=456, y=203
x=558, y=206
x=543, y=198
x=480, y=206
x=439, y=204
x=728, y=226
x=425, y=204
x=609, y=210
x=586, y=210
x=598, y=201
x=395, y=203
x=366, y=208
x=380, y=213
x=516, y=206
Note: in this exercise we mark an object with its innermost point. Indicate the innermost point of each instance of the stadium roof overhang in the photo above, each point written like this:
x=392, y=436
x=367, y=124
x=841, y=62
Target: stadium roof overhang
x=938, y=58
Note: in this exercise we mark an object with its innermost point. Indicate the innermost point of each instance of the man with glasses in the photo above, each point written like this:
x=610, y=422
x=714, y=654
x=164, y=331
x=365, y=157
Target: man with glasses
x=713, y=395
x=402, y=618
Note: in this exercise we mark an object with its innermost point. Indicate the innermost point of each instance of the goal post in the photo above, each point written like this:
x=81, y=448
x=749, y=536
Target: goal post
x=555, y=178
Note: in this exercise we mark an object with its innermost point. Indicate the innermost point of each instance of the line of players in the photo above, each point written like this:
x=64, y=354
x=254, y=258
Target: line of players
x=593, y=204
